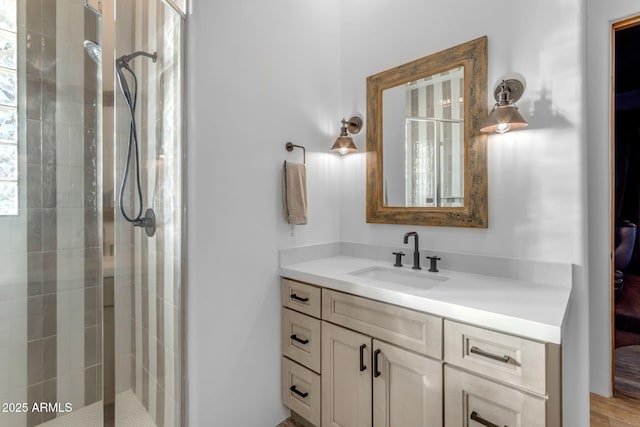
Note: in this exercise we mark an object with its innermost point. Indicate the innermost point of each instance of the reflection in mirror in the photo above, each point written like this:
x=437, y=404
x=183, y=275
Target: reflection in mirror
x=423, y=134
x=426, y=156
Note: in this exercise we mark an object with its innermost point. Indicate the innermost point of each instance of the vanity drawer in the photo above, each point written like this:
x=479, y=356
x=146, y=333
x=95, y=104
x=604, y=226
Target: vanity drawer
x=470, y=400
x=406, y=328
x=301, y=338
x=301, y=391
x=507, y=358
x=301, y=297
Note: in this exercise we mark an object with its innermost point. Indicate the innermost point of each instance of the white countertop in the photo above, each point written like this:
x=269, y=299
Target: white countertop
x=532, y=310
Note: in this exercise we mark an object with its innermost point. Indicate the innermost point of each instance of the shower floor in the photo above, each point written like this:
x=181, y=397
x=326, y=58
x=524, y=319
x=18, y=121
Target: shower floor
x=129, y=412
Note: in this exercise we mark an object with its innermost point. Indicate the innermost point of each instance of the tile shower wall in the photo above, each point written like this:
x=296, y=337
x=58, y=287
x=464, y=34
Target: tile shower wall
x=147, y=270
x=50, y=253
x=42, y=244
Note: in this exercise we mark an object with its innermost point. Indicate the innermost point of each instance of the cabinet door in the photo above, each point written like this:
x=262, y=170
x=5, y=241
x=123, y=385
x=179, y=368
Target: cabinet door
x=301, y=391
x=475, y=402
x=407, y=388
x=346, y=377
x=301, y=338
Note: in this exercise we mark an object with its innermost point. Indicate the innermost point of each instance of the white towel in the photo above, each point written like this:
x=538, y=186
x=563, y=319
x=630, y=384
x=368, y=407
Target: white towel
x=294, y=193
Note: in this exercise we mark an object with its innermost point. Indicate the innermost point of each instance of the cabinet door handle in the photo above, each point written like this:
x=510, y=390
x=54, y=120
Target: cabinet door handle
x=362, y=365
x=477, y=418
x=298, y=392
x=297, y=298
x=301, y=341
x=376, y=372
x=479, y=352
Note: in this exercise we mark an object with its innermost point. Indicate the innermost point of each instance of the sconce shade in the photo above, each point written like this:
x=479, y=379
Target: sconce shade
x=503, y=119
x=344, y=144
x=505, y=115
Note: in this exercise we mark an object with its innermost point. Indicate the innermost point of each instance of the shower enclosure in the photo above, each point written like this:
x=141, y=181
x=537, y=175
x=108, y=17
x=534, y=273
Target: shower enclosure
x=91, y=308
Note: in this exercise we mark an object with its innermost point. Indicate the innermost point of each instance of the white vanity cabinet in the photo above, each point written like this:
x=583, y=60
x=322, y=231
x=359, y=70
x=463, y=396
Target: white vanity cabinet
x=350, y=361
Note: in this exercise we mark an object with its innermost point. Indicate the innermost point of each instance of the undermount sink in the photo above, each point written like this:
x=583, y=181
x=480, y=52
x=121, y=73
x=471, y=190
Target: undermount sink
x=414, y=279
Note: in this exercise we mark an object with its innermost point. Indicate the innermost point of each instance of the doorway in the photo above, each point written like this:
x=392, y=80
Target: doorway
x=626, y=207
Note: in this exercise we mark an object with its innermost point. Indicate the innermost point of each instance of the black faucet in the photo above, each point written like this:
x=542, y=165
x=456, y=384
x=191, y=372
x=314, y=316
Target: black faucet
x=416, y=253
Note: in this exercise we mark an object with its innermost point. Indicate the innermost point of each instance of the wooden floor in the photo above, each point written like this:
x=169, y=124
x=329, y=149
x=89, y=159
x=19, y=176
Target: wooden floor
x=627, y=379
x=624, y=409
x=614, y=412
x=627, y=312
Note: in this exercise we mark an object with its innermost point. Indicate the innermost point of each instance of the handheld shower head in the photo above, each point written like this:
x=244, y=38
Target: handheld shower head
x=97, y=11
x=93, y=50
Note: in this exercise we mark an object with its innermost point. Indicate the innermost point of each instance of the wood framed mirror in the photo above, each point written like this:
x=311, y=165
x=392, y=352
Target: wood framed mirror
x=426, y=156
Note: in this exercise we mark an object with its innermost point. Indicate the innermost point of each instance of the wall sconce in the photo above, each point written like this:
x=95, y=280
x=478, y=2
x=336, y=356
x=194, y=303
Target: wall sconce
x=344, y=143
x=505, y=115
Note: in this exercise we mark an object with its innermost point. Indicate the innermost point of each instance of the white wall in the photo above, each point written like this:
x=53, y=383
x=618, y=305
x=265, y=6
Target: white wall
x=536, y=176
x=260, y=74
x=600, y=17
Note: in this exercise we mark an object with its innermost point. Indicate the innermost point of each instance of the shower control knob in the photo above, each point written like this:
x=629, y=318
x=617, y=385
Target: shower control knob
x=148, y=222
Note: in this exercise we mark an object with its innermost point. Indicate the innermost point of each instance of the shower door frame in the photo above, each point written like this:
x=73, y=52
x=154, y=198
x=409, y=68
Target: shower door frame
x=184, y=226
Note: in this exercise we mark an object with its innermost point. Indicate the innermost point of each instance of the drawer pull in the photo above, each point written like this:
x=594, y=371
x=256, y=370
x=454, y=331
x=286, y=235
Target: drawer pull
x=297, y=298
x=477, y=418
x=362, y=365
x=503, y=359
x=298, y=392
x=301, y=341
x=376, y=372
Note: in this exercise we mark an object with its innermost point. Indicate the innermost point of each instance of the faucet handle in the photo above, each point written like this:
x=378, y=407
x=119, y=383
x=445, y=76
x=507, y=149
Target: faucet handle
x=399, y=256
x=434, y=263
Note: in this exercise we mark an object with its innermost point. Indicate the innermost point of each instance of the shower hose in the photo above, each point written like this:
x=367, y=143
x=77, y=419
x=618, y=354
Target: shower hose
x=132, y=145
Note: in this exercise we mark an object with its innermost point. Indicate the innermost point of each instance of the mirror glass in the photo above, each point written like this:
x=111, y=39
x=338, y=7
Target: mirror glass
x=426, y=156
x=423, y=134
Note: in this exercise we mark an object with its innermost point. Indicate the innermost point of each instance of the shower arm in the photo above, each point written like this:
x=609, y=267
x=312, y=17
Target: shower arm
x=122, y=62
x=125, y=59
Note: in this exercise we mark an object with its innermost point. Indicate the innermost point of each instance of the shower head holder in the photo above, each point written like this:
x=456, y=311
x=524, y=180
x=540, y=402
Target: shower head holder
x=125, y=59
x=148, y=222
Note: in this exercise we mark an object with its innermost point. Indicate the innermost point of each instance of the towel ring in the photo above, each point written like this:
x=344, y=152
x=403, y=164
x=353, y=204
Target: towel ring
x=290, y=146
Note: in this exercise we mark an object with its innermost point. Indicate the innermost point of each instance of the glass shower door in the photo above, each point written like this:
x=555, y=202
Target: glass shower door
x=50, y=213
x=148, y=269
x=90, y=306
